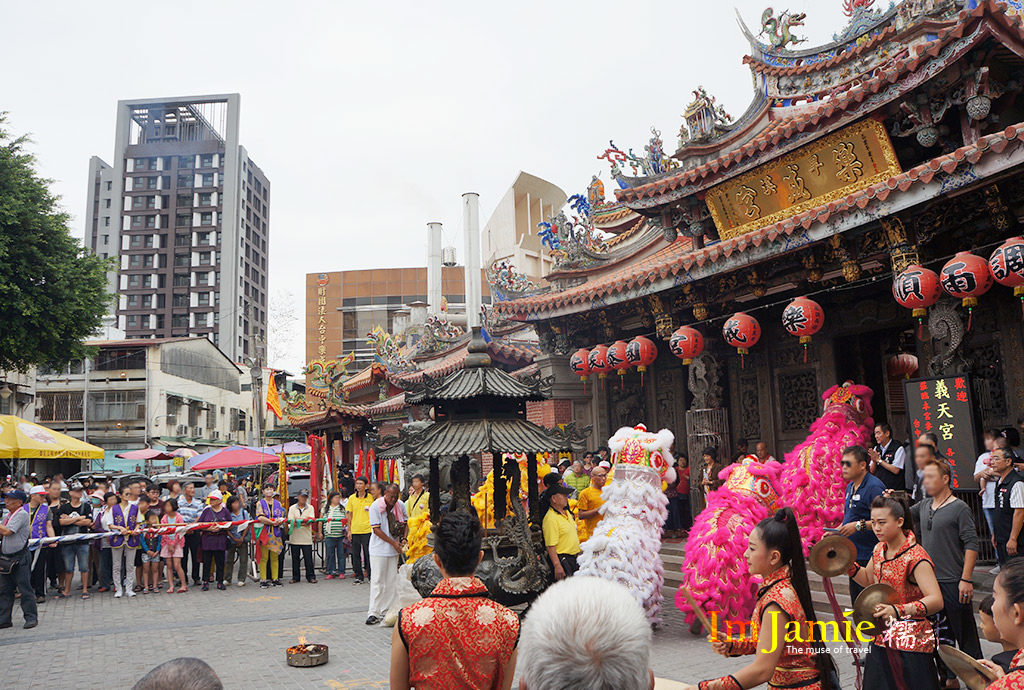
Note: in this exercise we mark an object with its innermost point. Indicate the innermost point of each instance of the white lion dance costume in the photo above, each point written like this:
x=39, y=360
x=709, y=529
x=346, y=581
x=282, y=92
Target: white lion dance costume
x=626, y=544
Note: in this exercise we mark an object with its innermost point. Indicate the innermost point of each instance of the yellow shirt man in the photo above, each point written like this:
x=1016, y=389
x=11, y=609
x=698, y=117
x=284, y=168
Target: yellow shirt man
x=590, y=500
x=560, y=532
x=358, y=513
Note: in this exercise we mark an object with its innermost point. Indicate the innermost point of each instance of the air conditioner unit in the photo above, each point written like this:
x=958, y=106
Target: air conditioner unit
x=216, y=435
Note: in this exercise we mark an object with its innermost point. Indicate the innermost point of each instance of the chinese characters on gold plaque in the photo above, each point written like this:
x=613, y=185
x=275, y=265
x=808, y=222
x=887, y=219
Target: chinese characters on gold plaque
x=942, y=406
x=853, y=158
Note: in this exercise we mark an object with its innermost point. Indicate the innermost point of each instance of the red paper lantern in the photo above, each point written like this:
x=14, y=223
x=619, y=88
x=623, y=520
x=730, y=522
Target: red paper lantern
x=803, y=318
x=1007, y=266
x=641, y=353
x=686, y=343
x=598, y=360
x=967, y=277
x=902, y=366
x=741, y=331
x=618, y=360
x=579, y=363
x=917, y=288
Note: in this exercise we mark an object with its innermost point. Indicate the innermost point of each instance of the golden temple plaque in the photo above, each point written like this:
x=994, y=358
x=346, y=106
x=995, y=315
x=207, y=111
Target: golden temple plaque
x=849, y=160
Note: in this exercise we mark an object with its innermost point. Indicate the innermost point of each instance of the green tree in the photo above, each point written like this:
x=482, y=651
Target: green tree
x=52, y=290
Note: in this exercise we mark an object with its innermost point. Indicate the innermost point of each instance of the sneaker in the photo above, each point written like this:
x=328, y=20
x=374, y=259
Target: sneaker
x=206, y=586
x=293, y=581
x=340, y=577
x=312, y=581
x=372, y=620
x=994, y=571
x=358, y=581
x=239, y=584
x=227, y=582
x=117, y=595
x=40, y=600
x=220, y=586
x=264, y=584
x=277, y=583
x=103, y=589
x=31, y=624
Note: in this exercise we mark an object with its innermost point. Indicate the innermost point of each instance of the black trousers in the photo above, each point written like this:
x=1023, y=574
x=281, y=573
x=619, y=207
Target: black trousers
x=213, y=557
x=20, y=580
x=306, y=552
x=192, y=548
x=960, y=618
x=883, y=664
x=360, y=552
x=569, y=564
x=38, y=571
x=856, y=589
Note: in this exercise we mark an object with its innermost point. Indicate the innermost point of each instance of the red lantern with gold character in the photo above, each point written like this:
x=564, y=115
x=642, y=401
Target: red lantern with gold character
x=967, y=277
x=742, y=331
x=803, y=318
x=579, y=363
x=686, y=343
x=1007, y=266
x=917, y=288
x=598, y=360
x=618, y=360
x=641, y=353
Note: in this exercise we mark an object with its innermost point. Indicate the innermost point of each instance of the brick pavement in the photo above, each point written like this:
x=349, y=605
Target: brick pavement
x=243, y=632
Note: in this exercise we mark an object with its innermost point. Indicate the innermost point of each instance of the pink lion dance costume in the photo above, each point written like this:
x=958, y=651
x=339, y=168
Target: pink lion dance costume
x=626, y=545
x=810, y=481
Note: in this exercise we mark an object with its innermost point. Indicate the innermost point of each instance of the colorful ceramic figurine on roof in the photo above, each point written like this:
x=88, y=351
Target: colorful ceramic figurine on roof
x=778, y=28
x=625, y=547
x=810, y=481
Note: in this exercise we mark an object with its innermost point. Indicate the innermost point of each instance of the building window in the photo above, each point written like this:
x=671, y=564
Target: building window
x=150, y=221
x=207, y=179
x=186, y=161
x=147, y=281
x=206, y=160
x=106, y=240
x=206, y=218
x=106, y=221
x=205, y=199
x=204, y=299
x=147, y=301
x=111, y=359
x=202, y=278
x=183, y=220
x=185, y=181
x=59, y=407
x=133, y=300
x=204, y=258
x=204, y=238
x=117, y=405
x=179, y=321
x=181, y=280
x=106, y=202
x=181, y=259
x=180, y=301
x=136, y=221
x=110, y=186
x=133, y=321
x=133, y=281
x=211, y=418
x=182, y=240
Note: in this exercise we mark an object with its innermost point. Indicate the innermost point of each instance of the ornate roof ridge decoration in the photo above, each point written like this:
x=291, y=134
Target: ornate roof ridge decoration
x=387, y=349
x=779, y=28
x=454, y=438
x=481, y=381
x=640, y=278
x=653, y=162
x=438, y=334
x=507, y=282
x=781, y=136
x=575, y=242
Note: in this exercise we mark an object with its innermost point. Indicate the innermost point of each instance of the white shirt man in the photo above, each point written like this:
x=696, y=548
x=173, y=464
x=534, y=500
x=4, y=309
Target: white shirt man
x=384, y=551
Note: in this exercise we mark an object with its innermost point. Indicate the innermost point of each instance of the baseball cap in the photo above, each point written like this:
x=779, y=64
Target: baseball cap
x=216, y=494
x=304, y=492
x=605, y=464
x=559, y=489
x=76, y=486
x=17, y=495
x=98, y=493
x=38, y=489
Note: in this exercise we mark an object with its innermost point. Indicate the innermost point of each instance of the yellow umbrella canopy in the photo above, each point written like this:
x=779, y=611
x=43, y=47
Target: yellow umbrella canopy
x=20, y=438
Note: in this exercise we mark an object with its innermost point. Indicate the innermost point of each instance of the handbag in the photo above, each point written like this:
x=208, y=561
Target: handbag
x=8, y=562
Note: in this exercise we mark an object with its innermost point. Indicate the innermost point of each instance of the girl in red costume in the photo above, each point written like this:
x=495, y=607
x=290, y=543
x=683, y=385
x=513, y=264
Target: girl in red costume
x=907, y=647
x=776, y=554
x=1008, y=615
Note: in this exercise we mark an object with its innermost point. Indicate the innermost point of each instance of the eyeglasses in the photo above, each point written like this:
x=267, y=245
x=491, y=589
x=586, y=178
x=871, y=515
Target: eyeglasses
x=847, y=463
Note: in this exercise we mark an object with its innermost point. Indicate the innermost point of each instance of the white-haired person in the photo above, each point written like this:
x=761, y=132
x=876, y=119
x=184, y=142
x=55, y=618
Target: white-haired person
x=569, y=644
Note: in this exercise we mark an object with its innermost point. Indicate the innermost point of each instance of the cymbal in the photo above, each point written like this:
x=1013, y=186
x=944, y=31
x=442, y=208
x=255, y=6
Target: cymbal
x=864, y=607
x=832, y=556
x=966, y=668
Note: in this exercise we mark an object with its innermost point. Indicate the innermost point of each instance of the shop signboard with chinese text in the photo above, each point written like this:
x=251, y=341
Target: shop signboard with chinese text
x=831, y=168
x=943, y=406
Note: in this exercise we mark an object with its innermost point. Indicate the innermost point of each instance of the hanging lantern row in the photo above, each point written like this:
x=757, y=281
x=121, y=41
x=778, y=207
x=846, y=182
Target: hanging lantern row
x=641, y=353
x=742, y=331
x=803, y=318
x=966, y=276
x=687, y=344
x=619, y=357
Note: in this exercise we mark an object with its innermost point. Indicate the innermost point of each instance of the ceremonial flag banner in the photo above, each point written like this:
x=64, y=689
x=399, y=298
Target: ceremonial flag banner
x=942, y=406
x=273, y=401
x=282, y=481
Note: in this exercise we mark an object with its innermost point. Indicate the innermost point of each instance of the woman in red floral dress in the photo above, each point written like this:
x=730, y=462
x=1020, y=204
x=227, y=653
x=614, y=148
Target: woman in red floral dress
x=1008, y=615
x=907, y=647
x=457, y=638
x=775, y=552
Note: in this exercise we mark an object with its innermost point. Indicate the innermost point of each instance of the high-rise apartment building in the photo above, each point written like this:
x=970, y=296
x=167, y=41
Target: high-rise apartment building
x=187, y=213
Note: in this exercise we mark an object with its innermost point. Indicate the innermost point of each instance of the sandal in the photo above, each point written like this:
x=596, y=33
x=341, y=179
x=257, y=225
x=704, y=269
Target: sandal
x=170, y=590
x=85, y=595
x=182, y=589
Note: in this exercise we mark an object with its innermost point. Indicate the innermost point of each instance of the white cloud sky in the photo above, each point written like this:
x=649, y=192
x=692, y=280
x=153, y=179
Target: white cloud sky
x=372, y=118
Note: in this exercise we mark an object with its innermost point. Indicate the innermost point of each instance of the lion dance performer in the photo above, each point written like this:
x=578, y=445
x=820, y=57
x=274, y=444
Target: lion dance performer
x=810, y=481
x=625, y=547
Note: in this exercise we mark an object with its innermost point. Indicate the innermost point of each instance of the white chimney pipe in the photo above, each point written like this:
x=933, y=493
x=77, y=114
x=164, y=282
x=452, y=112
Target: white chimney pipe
x=471, y=223
x=434, y=268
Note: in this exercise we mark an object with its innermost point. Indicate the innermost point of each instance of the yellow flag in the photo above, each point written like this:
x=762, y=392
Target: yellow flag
x=273, y=402
x=282, y=482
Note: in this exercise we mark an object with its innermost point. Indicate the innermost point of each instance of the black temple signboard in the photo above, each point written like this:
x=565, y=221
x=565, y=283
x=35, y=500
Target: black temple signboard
x=943, y=406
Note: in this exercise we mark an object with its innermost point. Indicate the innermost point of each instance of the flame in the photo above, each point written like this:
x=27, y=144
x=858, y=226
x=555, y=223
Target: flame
x=302, y=639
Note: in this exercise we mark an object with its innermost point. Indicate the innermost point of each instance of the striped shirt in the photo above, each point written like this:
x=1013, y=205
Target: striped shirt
x=190, y=510
x=334, y=527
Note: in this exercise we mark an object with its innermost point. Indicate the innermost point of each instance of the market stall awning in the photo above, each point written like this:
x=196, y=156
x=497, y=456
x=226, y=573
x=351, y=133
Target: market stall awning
x=290, y=448
x=20, y=438
x=233, y=456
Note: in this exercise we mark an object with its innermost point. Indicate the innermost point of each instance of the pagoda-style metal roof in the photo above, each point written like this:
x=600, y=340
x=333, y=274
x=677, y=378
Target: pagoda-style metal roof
x=469, y=437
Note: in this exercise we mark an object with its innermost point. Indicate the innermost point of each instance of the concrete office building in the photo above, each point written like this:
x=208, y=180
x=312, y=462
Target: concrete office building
x=187, y=213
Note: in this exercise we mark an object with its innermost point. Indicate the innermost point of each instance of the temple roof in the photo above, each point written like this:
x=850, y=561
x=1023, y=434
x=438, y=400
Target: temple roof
x=468, y=437
x=474, y=383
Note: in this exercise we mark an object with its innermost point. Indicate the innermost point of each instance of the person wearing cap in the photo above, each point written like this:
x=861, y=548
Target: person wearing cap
x=269, y=544
x=560, y=535
x=75, y=517
x=300, y=537
x=14, y=535
x=215, y=539
x=42, y=526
